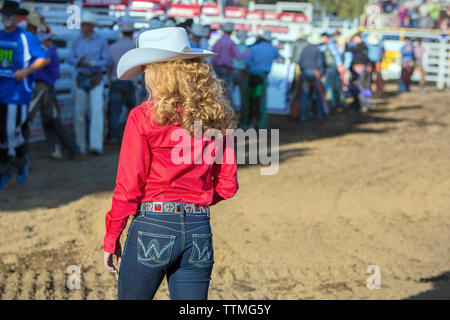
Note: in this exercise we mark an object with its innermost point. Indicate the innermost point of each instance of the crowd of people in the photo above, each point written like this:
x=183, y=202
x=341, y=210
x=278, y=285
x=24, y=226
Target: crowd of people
x=344, y=71
x=425, y=14
x=333, y=71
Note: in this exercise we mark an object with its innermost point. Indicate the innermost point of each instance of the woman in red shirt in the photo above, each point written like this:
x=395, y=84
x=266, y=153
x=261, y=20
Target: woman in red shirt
x=164, y=179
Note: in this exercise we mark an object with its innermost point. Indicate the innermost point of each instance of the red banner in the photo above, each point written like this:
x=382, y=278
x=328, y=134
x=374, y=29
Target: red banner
x=235, y=13
x=271, y=15
x=193, y=10
x=273, y=29
x=211, y=10
x=255, y=15
x=249, y=27
x=184, y=10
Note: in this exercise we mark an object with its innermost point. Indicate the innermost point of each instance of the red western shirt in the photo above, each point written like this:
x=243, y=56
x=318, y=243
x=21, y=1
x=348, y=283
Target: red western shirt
x=148, y=172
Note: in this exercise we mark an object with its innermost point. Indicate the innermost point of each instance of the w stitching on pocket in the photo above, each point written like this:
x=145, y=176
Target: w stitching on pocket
x=154, y=250
x=202, y=254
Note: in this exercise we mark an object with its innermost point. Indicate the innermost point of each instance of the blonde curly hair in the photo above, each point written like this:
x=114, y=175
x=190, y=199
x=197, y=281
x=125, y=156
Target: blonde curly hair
x=185, y=91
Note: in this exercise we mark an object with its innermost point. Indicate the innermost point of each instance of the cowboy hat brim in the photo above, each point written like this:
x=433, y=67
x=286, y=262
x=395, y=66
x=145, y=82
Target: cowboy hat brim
x=129, y=65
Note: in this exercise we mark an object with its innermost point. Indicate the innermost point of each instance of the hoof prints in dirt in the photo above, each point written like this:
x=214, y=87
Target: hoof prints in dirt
x=29, y=285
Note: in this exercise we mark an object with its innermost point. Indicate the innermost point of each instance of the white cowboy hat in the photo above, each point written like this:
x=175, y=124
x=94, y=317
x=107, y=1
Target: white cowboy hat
x=315, y=39
x=165, y=44
x=89, y=17
x=228, y=27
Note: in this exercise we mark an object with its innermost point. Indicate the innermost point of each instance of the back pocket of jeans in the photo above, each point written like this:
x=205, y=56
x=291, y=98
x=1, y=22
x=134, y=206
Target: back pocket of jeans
x=154, y=250
x=202, y=254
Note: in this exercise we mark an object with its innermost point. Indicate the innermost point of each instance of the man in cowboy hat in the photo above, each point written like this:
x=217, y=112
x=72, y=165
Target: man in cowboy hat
x=196, y=32
x=312, y=66
x=121, y=92
x=226, y=50
x=21, y=54
x=297, y=49
x=259, y=64
x=90, y=56
x=199, y=35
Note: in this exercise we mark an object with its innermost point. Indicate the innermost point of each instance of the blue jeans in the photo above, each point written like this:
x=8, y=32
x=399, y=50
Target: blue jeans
x=178, y=246
x=310, y=85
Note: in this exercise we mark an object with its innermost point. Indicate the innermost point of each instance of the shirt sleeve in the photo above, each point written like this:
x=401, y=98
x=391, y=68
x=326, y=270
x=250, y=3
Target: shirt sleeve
x=37, y=49
x=225, y=173
x=134, y=164
x=73, y=57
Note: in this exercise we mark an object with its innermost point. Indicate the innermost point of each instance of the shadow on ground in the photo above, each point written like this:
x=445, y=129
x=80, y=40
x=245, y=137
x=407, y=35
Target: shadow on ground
x=440, y=291
x=53, y=183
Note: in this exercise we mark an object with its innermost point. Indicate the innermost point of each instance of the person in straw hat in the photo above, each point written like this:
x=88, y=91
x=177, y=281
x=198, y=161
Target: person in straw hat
x=90, y=56
x=44, y=97
x=121, y=92
x=226, y=50
x=312, y=66
x=169, y=192
x=21, y=54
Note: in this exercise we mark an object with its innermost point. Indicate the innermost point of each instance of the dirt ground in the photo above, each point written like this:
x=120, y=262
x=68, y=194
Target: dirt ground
x=352, y=191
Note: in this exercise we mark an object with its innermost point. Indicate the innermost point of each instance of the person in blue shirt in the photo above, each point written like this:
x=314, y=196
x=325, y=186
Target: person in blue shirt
x=313, y=67
x=21, y=54
x=375, y=53
x=90, y=56
x=408, y=65
x=259, y=64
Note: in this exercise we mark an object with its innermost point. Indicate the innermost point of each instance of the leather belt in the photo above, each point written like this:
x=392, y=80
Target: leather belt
x=174, y=207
